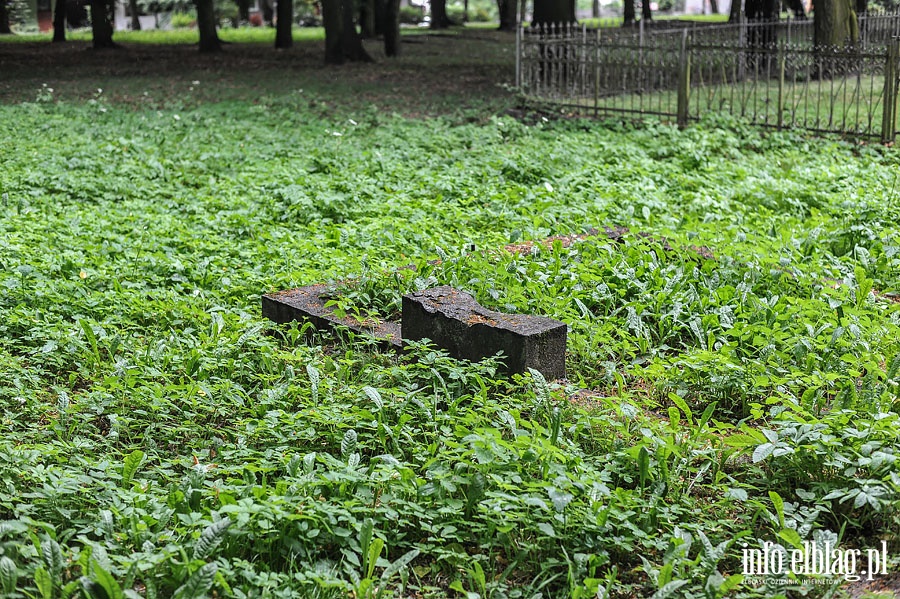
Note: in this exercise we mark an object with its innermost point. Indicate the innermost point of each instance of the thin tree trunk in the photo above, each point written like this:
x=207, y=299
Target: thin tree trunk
x=101, y=24
x=243, y=10
x=59, y=21
x=206, y=25
x=367, y=18
x=465, y=11
x=331, y=20
x=714, y=6
x=5, y=29
x=381, y=8
x=439, y=18
x=135, y=15
x=646, y=13
x=284, y=35
x=268, y=13
x=595, y=9
x=392, y=28
x=628, y=17
x=734, y=13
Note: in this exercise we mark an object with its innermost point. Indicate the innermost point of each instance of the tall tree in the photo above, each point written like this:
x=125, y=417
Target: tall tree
x=243, y=10
x=508, y=10
x=59, y=20
x=439, y=19
x=5, y=29
x=381, y=10
x=646, y=13
x=797, y=8
x=206, y=26
x=734, y=13
x=284, y=34
x=267, y=11
x=367, y=18
x=548, y=12
x=714, y=6
x=628, y=16
x=835, y=23
x=135, y=15
x=102, y=23
x=342, y=40
x=392, y=27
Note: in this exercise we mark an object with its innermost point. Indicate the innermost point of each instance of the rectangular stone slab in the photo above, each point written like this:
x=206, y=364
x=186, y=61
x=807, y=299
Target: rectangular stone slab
x=454, y=321
x=305, y=304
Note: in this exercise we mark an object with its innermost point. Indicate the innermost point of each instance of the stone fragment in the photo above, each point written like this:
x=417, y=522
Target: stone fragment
x=454, y=321
x=307, y=304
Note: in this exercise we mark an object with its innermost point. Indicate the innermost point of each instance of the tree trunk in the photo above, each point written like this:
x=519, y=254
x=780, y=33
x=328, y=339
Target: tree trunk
x=628, y=16
x=862, y=7
x=59, y=21
x=352, y=42
x=714, y=6
x=796, y=7
x=646, y=13
x=508, y=9
x=5, y=29
x=268, y=13
x=465, y=11
x=381, y=23
x=206, y=25
x=734, y=13
x=548, y=12
x=331, y=20
x=392, y=28
x=342, y=41
x=135, y=15
x=834, y=23
x=284, y=34
x=243, y=11
x=595, y=9
x=101, y=23
x=367, y=18
x=439, y=18
x=762, y=34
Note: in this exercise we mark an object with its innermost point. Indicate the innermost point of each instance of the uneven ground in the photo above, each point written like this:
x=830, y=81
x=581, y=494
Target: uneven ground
x=733, y=359
x=437, y=73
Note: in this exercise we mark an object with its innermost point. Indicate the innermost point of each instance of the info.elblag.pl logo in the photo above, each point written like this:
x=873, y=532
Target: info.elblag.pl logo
x=814, y=560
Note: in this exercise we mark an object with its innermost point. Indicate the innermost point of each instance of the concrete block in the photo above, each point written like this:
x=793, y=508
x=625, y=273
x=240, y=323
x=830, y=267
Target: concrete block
x=305, y=304
x=454, y=321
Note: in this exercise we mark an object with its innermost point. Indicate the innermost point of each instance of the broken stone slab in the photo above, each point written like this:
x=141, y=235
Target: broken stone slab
x=307, y=304
x=454, y=321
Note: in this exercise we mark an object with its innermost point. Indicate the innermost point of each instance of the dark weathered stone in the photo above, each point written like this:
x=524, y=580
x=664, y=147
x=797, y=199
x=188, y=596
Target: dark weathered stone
x=307, y=304
x=454, y=321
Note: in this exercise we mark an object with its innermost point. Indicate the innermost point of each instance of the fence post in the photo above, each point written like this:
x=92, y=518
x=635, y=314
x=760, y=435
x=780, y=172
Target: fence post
x=889, y=99
x=781, y=65
x=597, y=74
x=518, y=56
x=684, y=81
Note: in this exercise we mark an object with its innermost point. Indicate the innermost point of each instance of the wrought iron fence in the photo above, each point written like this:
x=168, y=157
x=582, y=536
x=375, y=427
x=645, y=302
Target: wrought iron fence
x=775, y=78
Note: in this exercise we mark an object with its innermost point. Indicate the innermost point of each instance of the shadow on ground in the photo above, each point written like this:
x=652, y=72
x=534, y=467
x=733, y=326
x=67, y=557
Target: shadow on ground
x=441, y=73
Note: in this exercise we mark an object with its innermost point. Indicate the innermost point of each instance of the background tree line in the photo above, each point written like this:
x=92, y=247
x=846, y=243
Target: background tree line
x=348, y=22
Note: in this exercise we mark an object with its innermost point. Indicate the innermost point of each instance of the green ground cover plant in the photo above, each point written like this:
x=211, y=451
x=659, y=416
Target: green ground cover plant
x=732, y=375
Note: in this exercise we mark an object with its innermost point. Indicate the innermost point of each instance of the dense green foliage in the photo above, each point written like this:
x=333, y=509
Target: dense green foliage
x=159, y=441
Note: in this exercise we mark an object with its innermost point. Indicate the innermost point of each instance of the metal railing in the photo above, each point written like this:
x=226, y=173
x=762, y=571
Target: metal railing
x=775, y=78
